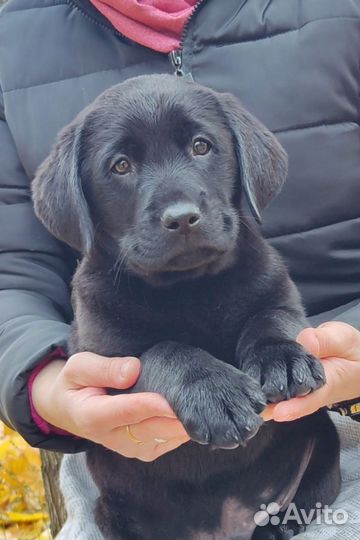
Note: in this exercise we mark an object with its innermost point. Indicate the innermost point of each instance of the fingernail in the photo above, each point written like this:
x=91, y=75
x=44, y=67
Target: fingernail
x=127, y=367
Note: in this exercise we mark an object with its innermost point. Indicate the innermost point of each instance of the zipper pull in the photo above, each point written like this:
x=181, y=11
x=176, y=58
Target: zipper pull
x=176, y=60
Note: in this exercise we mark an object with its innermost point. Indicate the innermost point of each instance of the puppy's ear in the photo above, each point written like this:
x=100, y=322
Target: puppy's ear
x=262, y=160
x=57, y=191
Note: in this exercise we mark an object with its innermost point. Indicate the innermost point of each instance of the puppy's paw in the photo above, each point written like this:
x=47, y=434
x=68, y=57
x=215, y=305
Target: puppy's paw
x=222, y=410
x=283, y=368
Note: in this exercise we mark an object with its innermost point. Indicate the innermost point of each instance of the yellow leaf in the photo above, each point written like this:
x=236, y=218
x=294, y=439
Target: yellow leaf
x=19, y=517
x=23, y=511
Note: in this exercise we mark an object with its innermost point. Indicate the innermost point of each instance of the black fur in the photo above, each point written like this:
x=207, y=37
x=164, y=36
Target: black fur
x=202, y=299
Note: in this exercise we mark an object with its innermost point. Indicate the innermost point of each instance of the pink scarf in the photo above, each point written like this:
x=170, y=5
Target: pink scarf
x=157, y=24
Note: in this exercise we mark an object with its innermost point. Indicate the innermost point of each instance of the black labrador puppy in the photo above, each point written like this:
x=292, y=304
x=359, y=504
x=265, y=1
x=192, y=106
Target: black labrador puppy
x=154, y=183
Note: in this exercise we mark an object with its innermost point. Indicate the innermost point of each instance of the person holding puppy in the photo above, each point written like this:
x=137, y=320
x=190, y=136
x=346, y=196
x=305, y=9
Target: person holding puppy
x=264, y=53
x=71, y=395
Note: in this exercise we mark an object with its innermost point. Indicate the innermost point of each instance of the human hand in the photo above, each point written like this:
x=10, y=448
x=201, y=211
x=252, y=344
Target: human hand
x=337, y=344
x=72, y=396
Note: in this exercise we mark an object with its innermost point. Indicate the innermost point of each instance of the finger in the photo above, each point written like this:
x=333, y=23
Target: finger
x=157, y=428
x=104, y=412
x=308, y=339
x=89, y=369
x=332, y=338
x=339, y=339
x=342, y=383
x=300, y=406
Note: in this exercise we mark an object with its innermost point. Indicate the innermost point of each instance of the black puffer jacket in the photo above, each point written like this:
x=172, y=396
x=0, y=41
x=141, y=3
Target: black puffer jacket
x=293, y=64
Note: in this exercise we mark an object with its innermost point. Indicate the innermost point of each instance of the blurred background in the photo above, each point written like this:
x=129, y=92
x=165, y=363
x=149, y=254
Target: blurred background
x=23, y=511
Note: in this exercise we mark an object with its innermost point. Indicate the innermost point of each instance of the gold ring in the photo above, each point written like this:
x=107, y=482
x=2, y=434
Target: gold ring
x=132, y=437
x=160, y=441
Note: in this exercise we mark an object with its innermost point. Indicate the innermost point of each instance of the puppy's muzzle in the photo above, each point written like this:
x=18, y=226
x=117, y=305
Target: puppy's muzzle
x=181, y=218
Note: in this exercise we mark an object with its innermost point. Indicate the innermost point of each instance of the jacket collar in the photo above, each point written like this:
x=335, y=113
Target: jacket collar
x=88, y=9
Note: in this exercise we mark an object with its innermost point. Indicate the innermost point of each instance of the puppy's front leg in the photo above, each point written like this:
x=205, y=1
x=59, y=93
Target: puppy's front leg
x=218, y=404
x=268, y=352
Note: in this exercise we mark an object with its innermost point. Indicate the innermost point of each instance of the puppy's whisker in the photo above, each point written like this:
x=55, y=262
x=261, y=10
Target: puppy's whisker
x=120, y=266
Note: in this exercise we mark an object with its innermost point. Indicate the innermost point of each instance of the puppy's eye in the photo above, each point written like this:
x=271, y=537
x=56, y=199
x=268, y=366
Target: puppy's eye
x=201, y=147
x=121, y=167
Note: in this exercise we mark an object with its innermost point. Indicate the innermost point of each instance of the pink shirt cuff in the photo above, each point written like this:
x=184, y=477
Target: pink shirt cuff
x=44, y=426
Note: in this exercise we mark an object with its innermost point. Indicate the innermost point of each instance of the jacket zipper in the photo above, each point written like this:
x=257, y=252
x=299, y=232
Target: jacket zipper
x=93, y=19
x=176, y=55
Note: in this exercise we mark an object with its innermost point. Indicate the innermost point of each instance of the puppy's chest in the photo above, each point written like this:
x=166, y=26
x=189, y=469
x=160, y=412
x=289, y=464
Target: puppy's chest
x=134, y=320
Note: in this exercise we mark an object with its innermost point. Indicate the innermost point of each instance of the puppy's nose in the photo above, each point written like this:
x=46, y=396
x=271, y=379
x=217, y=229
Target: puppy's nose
x=181, y=217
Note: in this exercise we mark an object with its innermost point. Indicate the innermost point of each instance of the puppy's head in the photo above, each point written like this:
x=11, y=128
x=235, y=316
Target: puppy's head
x=156, y=168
